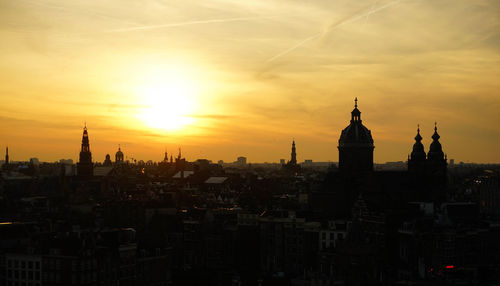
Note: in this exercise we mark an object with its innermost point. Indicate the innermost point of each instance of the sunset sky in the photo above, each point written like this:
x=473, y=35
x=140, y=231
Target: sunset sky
x=228, y=78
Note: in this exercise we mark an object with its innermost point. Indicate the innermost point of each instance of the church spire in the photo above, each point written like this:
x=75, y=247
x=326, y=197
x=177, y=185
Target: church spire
x=85, y=140
x=293, y=157
x=165, y=158
x=356, y=114
x=84, y=166
x=418, y=138
x=7, y=155
x=435, y=150
x=418, y=152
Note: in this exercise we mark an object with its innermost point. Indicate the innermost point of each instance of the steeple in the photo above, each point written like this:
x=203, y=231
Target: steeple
x=7, y=155
x=165, y=158
x=435, y=150
x=293, y=158
x=355, y=113
x=84, y=166
x=418, y=152
x=85, y=140
x=180, y=155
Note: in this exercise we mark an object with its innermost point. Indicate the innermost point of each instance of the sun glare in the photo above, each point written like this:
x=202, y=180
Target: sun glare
x=167, y=101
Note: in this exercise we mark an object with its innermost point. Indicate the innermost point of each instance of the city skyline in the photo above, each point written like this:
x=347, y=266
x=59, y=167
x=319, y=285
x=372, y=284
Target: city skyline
x=225, y=79
x=354, y=130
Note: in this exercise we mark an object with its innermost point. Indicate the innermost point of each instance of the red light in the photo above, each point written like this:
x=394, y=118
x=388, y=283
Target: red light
x=450, y=266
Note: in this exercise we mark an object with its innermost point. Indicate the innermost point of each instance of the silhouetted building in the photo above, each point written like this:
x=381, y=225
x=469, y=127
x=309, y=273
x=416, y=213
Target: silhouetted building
x=436, y=160
x=107, y=161
x=84, y=166
x=292, y=164
x=241, y=161
x=119, y=155
x=293, y=156
x=165, y=158
x=428, y=172
x=416, y=162
x=6, y=163
x=356, y=145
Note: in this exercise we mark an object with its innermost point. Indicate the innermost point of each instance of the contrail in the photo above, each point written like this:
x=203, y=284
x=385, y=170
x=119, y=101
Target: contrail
x=181, y=24
x=295, y=46
x=356, y=16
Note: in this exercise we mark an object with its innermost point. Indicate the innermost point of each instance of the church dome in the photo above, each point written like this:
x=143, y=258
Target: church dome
x=435, y=150
x=356, y=134
x=418, y=152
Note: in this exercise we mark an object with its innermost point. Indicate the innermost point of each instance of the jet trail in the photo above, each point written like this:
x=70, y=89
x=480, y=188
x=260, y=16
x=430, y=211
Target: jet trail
x=343, y=22
x=181, y=24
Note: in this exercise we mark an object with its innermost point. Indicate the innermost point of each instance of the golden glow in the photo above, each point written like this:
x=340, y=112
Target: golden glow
x=167, y=100
x=230, y=78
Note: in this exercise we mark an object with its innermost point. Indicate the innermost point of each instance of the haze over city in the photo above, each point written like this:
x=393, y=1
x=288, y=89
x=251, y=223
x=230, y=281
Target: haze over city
x=224, y=78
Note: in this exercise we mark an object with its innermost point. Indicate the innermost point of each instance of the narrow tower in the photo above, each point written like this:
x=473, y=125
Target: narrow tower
x=293, y=157
x=165, y=158
x=7, y=155
x=356, y=145
x=416, y=161
x=436, y=169
x=436, y=159
x=84, y=166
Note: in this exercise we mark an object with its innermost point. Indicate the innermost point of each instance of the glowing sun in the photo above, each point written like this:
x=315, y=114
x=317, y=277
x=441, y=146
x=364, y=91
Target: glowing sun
x=168, y=102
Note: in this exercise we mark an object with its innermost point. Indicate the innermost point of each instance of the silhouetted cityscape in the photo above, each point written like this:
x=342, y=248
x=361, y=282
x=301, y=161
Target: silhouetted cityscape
x=423, y=221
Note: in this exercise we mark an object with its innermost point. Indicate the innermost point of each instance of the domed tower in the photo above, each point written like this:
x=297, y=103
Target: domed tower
x=416, y=161
x=119, y=155
x=436, y=159
x=107, y=161
x=436, y=169
x=84, y=167
x=356, y=145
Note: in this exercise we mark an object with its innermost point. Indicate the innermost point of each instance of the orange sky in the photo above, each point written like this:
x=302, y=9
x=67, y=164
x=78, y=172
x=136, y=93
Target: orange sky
x=224, y=78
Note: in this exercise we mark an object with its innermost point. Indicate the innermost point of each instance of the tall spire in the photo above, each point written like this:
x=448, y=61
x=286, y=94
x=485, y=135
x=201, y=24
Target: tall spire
x=179, y=156
x=85, y=140
x=293, y=158
x=418, y=138
x=84, y=165
x=435, y=136
x=165, y=158
x=418, y=153
x=7, y=155
x=435, y=150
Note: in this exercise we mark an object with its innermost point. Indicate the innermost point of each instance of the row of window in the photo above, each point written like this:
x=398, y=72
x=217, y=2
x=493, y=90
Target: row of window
x=20, y=274
x=11, y=263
